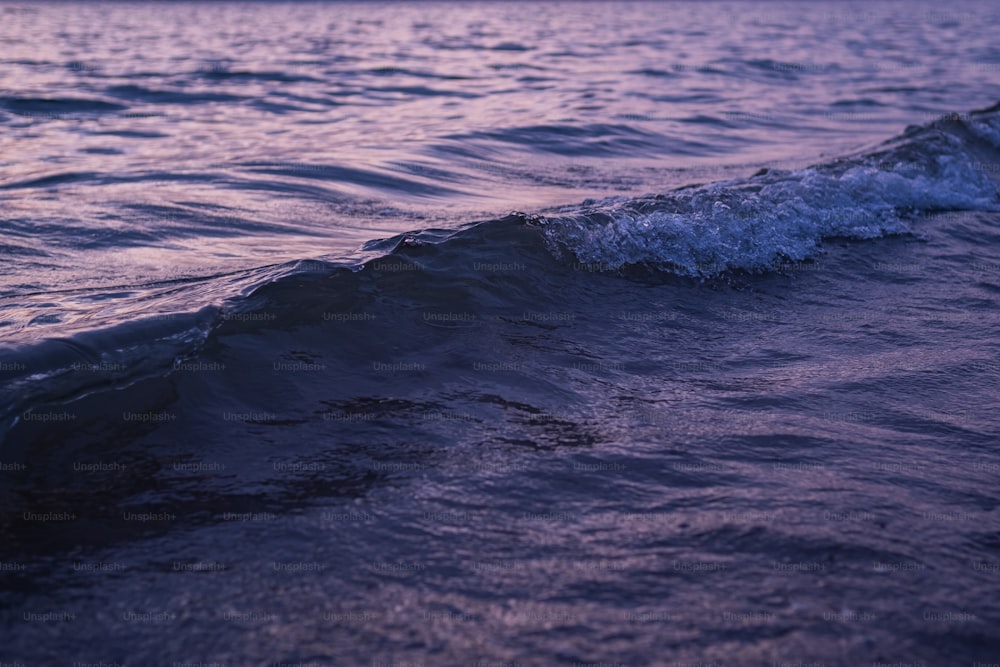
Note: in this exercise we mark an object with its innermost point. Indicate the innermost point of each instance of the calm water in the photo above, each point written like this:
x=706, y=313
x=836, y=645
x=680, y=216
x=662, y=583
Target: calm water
x=499, y=333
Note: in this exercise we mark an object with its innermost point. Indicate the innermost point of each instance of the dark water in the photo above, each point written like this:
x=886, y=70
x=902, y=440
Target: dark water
x=283, y=382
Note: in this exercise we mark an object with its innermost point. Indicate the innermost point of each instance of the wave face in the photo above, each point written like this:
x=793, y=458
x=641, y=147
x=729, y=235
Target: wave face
x=278, y=385
x=755, y=224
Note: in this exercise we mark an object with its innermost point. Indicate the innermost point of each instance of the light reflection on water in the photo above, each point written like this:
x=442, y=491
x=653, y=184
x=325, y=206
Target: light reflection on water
x=470, y=450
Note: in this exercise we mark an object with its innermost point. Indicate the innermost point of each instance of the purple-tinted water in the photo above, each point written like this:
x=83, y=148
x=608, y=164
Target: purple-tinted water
x=282, y=381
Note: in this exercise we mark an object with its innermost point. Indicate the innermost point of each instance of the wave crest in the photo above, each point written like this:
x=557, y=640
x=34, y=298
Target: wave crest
x=774, y=216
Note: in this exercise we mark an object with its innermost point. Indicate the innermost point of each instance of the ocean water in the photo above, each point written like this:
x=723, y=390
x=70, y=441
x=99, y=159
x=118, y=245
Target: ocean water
x=500, y=333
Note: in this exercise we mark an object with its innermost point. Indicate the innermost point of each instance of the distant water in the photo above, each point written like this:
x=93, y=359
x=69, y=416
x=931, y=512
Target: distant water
x=500, y=333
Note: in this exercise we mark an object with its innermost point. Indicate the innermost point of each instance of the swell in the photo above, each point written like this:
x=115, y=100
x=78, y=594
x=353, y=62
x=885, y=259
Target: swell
x=507, y=266
x=496, y=261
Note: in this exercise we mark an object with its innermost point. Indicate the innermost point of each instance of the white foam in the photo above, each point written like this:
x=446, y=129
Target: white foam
x=755, y=223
